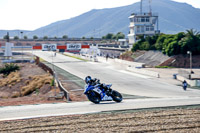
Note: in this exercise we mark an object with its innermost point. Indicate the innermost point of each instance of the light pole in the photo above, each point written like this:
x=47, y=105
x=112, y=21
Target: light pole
x=190, y=53
x=22, y=44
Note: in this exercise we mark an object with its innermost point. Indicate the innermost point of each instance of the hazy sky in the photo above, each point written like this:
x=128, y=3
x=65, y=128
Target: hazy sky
x=33, y=14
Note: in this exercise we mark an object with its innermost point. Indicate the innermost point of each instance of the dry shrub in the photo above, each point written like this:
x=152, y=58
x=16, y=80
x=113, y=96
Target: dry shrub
x=18, y=80
x=36, y=83
x=27, y=82
x=15, y=95
x=11, y=79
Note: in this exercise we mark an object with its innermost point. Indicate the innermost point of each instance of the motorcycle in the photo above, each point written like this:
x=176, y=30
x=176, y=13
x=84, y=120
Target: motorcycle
x=184, y=85
x=96, y=92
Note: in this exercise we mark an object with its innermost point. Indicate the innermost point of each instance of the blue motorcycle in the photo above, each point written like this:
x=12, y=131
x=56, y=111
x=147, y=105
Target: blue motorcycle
x=96, y=92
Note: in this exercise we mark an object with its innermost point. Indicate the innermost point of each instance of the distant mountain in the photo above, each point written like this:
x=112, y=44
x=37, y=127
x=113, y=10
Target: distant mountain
x=176, y=17
x=173, y=17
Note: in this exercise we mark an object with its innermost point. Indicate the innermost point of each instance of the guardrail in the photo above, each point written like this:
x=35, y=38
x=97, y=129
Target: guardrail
x=66, y=93
x=46, y=68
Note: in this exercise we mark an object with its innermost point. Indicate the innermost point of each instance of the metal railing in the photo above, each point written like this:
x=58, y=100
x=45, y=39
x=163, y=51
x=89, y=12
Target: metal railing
x=47, y=68
x=66, y=93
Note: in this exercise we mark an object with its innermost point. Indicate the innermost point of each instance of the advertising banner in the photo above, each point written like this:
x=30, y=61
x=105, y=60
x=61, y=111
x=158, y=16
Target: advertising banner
x=74, y=47
x=49, y=47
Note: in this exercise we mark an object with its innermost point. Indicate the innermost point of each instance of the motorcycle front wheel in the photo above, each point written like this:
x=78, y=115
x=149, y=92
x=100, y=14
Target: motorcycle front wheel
x=116, y=96
x=93, y=97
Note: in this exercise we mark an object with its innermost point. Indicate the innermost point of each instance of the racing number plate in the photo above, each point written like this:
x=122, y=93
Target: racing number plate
x=97, y=90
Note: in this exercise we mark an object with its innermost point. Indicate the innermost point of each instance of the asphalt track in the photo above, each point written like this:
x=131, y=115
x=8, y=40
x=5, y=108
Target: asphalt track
x=162, y=94
x=122, y=80
x=44, y=110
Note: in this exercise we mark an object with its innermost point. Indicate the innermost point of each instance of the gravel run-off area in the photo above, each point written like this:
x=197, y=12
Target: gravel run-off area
x=185, y=120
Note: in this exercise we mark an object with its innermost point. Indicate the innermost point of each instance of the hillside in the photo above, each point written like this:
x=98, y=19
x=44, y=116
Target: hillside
x=173, y=17
x=13, y=33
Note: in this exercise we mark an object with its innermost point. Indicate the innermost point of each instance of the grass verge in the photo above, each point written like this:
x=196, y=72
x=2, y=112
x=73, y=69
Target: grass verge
x=76, y=57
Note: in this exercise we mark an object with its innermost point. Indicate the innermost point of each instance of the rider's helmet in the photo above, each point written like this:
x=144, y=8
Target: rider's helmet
x=88, y=79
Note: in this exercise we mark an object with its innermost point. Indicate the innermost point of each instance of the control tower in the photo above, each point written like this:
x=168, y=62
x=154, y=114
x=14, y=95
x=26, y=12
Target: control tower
x=143, y=24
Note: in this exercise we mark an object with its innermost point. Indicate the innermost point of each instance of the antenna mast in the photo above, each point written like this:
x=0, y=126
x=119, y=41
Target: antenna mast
x=140, y=6
x=150, y=9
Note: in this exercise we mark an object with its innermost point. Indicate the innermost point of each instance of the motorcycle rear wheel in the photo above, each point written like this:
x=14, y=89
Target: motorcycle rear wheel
x=116, y=96
x=93, y=97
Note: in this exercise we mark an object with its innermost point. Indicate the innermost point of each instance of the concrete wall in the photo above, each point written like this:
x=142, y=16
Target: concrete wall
x=144, y=72
x=130, y=63
x=190, y=82
x=152, y=58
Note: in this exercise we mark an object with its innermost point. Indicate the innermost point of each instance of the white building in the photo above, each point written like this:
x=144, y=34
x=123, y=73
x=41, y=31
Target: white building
x=123, y=42
x=142, y=24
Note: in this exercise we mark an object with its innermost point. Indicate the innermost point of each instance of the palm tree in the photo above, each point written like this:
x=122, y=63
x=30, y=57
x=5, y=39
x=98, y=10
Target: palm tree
x=192, y=41
x=192, y=33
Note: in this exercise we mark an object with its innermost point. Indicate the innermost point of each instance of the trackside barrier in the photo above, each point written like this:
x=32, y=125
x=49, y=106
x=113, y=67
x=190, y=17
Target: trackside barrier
x=86, y=57
x=131, y=66
x=190, y=82
x=46, y=68
x=123, y=62
x=66, y=93
x=130, y=63
x=145, y=72
x=58, y=47
x=103, y=59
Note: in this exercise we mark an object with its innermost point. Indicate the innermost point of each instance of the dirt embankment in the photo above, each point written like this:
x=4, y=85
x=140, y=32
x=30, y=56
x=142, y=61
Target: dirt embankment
x=169, y=120
x=29, y=85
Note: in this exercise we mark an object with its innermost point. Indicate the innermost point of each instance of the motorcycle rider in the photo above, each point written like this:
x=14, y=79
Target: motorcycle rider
x=96, y=91
x=91, y=81
x=184, y=85
x=95, y=81
x=88, y=79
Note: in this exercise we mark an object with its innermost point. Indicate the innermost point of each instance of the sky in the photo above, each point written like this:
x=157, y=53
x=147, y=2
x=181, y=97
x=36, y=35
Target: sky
x=33, y=14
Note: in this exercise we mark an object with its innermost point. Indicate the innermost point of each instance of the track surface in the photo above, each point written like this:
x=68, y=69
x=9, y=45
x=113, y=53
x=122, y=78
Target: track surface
x=44, y=110
x=168, y=120
x=123, y=81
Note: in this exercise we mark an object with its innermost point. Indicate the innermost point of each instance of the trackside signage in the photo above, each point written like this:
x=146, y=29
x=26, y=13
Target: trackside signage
x=49, y=47
x=74, y=47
